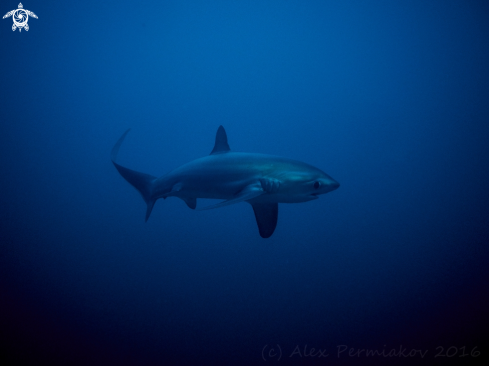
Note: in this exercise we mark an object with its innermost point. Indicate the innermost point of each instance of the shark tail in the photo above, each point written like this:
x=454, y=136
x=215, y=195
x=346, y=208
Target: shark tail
x=142, y=182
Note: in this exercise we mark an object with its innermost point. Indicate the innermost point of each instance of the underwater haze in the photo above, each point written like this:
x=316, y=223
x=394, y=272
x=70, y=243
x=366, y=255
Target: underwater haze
x=390, y=98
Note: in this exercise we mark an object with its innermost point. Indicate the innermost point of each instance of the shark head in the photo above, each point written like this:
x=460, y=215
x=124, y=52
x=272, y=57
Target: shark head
x=305, y=183
x=323, y=184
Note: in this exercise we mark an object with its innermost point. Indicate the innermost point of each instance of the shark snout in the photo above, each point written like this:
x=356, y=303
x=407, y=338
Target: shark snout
x=334, y=185
x=330, y=185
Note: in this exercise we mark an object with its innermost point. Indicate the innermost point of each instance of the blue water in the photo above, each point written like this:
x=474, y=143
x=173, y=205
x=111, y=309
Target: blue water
x=390, y=98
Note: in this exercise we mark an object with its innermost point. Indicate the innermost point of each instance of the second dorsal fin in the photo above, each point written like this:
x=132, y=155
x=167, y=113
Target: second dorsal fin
x=221, y=145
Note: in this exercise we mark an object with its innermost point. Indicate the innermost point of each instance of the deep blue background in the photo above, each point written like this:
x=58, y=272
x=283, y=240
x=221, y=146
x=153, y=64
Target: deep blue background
x=390, y=98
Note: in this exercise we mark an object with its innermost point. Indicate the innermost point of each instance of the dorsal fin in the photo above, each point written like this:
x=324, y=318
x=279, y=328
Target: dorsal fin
x=221, y=145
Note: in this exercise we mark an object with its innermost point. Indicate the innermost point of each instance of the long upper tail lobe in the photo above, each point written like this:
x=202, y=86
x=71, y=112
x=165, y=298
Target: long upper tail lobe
x=141, y=181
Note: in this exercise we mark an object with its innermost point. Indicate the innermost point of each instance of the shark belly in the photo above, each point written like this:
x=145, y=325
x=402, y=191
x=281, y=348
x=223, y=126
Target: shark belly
x=213, y=177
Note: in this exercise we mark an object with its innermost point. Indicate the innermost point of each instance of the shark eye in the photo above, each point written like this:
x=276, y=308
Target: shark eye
x=317, y=185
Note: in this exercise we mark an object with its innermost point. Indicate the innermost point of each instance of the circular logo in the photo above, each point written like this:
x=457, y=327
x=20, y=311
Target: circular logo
x=20, y=18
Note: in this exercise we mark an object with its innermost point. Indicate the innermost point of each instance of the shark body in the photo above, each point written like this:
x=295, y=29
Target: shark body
x=262, y=180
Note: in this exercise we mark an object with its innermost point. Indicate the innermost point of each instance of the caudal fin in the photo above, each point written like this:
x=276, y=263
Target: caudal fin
x=141, y=181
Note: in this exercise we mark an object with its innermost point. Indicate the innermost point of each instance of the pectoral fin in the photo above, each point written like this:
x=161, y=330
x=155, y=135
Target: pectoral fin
x=247, y=193
x=266, y=215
